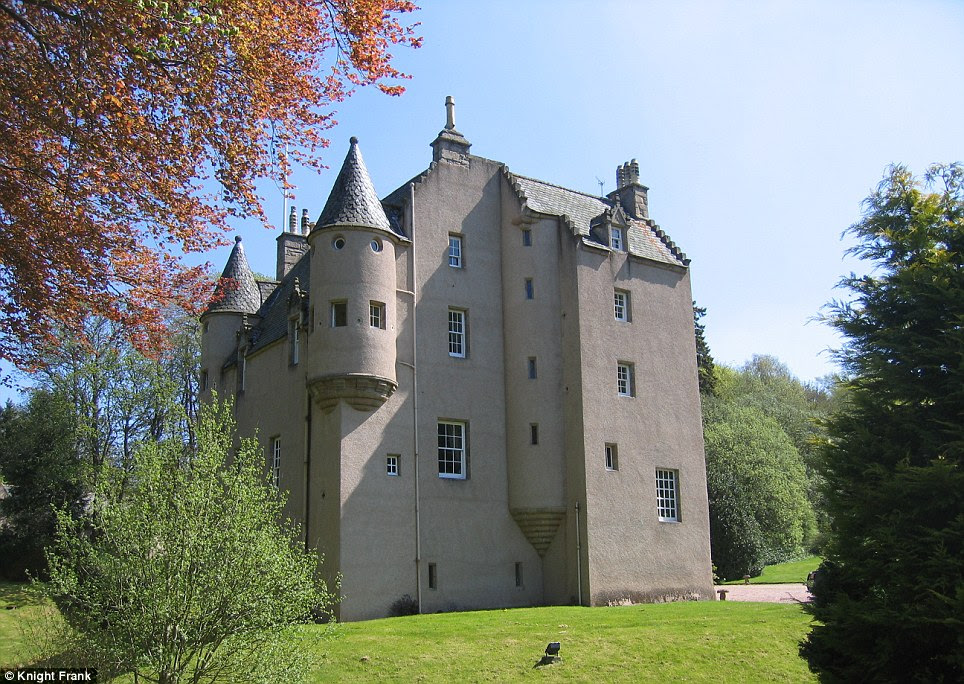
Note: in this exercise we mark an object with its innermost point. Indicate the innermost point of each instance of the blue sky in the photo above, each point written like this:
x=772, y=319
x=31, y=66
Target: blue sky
x=759, y=128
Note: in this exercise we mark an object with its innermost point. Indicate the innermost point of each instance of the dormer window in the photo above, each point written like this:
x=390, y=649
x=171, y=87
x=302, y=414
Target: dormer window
x=616, y=238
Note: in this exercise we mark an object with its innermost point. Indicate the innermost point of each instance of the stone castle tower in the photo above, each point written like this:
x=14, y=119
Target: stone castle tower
x=479, y=391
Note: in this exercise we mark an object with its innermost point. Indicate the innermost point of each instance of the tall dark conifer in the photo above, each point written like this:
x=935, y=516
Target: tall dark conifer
x=704, y=360
x=890, y=598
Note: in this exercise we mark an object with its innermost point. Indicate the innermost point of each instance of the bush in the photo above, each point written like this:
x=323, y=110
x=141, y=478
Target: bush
x=186, y=568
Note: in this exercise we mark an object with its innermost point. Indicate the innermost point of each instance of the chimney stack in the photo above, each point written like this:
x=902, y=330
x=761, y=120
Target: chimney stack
x=292, y=243
x=632, y=196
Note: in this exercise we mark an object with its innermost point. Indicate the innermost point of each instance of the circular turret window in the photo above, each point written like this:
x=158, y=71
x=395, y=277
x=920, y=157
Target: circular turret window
x=338, y=242
x=376, y=245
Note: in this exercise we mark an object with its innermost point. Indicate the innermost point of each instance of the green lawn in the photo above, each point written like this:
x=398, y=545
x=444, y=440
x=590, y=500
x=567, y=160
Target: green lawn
x=691, y=641
x=19, y=611
x=704, y=641
x=794, y=572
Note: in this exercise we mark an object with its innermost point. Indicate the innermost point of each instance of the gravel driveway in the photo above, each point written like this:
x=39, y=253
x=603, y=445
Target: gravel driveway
x=766, y=593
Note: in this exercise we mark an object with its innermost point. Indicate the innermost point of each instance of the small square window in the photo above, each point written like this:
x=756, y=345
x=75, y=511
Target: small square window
x=532, y=368
x=624, y=380
x=612, y=457
x=526, y=237
x=616, y=238
x=667, y=495
x=432, y=576
x=391, y=465
x=621, y=305
x=376, y=314
x=533, y=433
x=339, y=314
x=529, y=289
x=455, y=251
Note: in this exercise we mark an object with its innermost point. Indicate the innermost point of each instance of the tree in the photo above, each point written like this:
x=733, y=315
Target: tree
x=766, y=384
x=120, y=397
x=759, y=512
x=704, y=360
x=193, y=574
x=40, y=465
x=131, y=130
x=889, y=602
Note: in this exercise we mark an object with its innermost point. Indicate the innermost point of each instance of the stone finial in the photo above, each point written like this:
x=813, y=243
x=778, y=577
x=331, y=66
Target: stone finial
x=292, y=220
x=450, y=145
x=304, y=222
x=449, y=113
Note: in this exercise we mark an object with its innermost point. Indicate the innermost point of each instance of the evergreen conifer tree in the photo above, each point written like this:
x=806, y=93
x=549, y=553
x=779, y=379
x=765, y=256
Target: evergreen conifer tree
x=889, y=600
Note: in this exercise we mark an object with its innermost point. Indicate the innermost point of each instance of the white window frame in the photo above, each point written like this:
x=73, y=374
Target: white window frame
x=616, y=238
x=458, y=333
x=667, y=495
x=455, y=251
x=392, y=465
x=612, y=457
x=621, y=305
x=376, y=314
x=276, y=461
x=625, y=379
x=452, y=450
x=294, y=335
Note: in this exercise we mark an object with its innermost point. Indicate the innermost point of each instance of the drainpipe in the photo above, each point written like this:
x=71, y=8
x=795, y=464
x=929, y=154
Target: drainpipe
x=578, y=556
x=307, y=467
x=418, y=528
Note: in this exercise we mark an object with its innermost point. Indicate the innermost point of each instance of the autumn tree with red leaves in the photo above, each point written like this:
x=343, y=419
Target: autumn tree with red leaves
x=132, y=130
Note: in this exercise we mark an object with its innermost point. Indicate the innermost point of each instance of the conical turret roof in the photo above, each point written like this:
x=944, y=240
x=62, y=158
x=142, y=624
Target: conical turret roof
x=353, y=201
x=237, y=290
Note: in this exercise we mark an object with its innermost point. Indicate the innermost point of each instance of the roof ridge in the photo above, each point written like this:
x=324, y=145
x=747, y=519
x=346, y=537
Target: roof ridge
x=604, y=200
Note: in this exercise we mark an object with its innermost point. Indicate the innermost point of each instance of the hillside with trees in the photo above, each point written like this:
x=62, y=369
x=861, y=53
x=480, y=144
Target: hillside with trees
x=762, y=429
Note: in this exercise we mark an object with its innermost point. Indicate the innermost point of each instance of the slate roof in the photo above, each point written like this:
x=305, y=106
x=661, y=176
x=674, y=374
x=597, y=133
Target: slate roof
x=274, y=312
x=353, y=201
x=580, y=210
x=236, y=291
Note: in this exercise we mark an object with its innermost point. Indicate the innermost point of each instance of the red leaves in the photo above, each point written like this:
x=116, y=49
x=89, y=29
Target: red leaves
x=112, y=114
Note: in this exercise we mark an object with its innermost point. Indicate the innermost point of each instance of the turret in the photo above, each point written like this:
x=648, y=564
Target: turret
x=236, y=299
x=353, y=294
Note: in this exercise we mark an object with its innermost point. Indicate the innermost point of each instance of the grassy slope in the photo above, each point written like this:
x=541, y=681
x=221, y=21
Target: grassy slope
x=704, y=641
x=17, y=610
x=718, y=642
x=794, y=572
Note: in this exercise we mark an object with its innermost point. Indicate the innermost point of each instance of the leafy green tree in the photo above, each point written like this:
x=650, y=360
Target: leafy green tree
x=889, y=604
x=42, y=472
x=759, y=512
x=766, y=384
x=193, y=574
x=122, y=398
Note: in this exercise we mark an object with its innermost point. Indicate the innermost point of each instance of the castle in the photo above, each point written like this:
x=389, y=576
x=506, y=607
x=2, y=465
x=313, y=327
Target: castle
x=479, y=391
